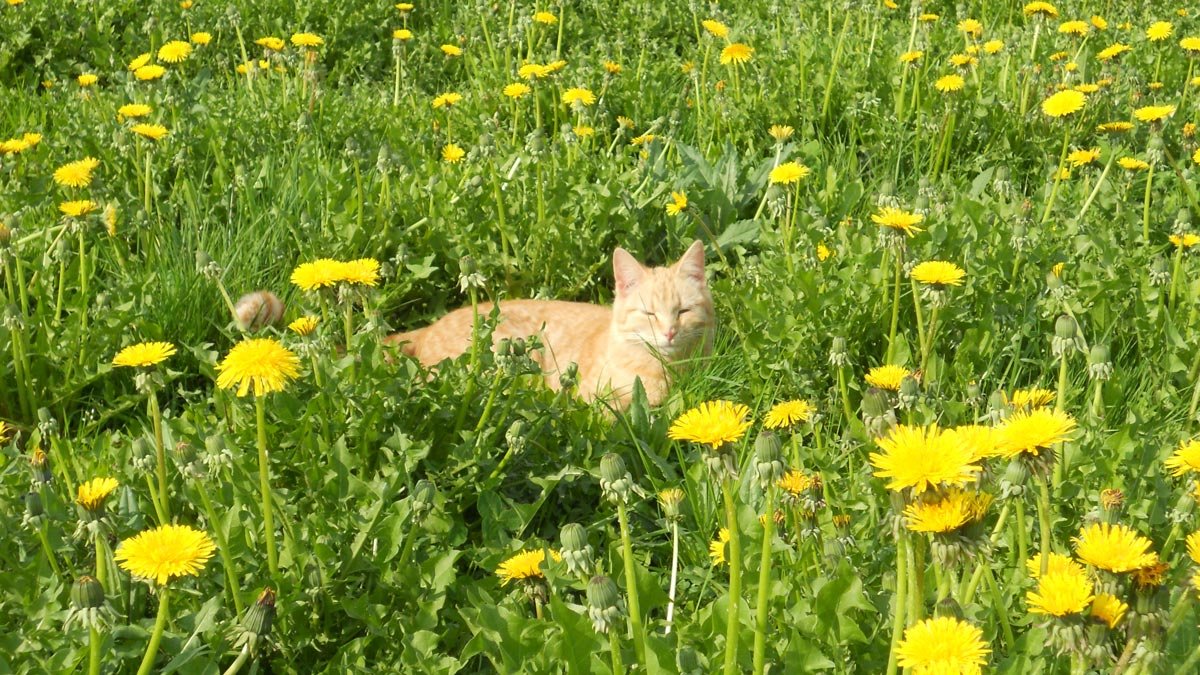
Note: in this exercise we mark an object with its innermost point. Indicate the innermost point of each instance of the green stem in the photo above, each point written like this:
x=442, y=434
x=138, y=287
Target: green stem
x=240, y=661
x=843, y=390
x=614, y=648
x=160, y=622
x=95, y=641
x=899, y=609
x=1060, y=467
x=933, y=322
x=674, y=575
x=231, y=575
x=635, y=610
x=1175, y=265
x=916, y=603
x=1022, y=532
x=895, y=311
x=147, y=204
x=764, y=585
x=1062, y=162
x=998, y=606
x=1044, y=522
x=1146, y=205
x=735, y=579
x=160, y=453
x=920, y=315
x=264, y=484
x=833, y=66
x=45, y=539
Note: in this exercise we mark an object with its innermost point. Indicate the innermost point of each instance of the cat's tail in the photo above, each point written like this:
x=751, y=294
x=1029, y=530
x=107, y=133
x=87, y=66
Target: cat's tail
x=258, y=309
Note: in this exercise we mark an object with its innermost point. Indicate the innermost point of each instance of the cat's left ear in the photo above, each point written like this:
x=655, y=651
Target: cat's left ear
x=691, y=264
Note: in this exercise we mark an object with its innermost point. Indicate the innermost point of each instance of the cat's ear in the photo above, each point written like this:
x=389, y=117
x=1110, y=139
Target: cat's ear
x=691, y=264
x=627, y=271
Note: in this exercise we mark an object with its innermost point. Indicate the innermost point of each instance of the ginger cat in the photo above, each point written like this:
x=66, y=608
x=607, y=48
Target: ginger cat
x=659, y=316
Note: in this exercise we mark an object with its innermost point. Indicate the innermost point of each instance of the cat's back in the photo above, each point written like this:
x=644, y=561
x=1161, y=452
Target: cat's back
x=566, y=328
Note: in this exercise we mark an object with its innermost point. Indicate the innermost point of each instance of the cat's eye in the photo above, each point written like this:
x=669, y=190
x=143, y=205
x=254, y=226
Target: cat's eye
x=682, y=310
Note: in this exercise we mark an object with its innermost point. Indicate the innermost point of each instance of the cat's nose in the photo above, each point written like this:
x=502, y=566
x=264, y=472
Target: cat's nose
x=671, y=334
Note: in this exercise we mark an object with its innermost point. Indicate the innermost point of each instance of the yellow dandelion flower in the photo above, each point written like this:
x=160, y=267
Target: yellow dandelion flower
x=912, y=56
x=736, y=53
x=304, y=325
x=1108, y=609
x=715, y=28
x=1064, y=103
x=545, y=18
x=942, y=644
x=270, y=42
x=402, y=34
x=788, y=414
x=166, y=552
x=712, y=423
x=612, y=68
x=1133, y=164
x=795, y=482
x=524, y=566
x=307, y=40
x=1087, y=88
x=938, y=273
x=404, y=6
x=1154, y=113
x=87, y=79
x=201, y=38
x=154, y=132
x=1040, y=9
x=1031, y=431
x=91, y=495
x=1058, y=564
x=1184, y=241
x=531, y=71
x=887, y=376
x=144, y=354
x=979, y=439
x=1098, y=22
x=1115, y=127
x=678, y=204
x=138, y=61
x=1193, y=546
x=317, y=274
x=1185, y=459
x=1078, y=158
x=1032, y=397
x=451, y=50
x=517, y=90
x=993, y=46
x=949, y=83
x=1112, y=51
x=77, y=208
x=361, y=272
x=718, y=548
x=261, y=364
x=1115, y=548
x=971, y=27
x=898, y=220
x=963, y=60
x=76, y=174
x=788, y=173
x=928, y=17
x=174, y=51
x=447, y=100
x=583, y=131
x=1078, y=28
x=452, y=153
x=1159, y=30
x=1061, y=594
x=148, y=73
x=823, y=252
x=946, y=514
x=578, y=95
x=923, y=458
x=133, y=111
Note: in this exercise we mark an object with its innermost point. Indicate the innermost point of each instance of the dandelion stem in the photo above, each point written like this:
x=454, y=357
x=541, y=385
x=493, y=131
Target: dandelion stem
x=1146, y=204
x=264, y=485
x=614, y=648
x=674, y=576
x=764, y=585
x=844, y=392
x=231, y=575
x=919, y=315
x=1175, y=265
x=733, y=623
x=916, y=601
x=45, y=539
x=160, y=623
x=1058, y=174
x=1060, y=467
x=95, y=641
x=1022, y=531
x=240, y=661
x=891, y=348
x=1044, y=522
x=998, y=606
x=160, y=453
x=928, y=347
x=899, y=609
x=635, y=611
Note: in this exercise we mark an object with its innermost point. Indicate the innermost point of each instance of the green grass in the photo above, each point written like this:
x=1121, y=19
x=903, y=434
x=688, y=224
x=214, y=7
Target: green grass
x=260, y=174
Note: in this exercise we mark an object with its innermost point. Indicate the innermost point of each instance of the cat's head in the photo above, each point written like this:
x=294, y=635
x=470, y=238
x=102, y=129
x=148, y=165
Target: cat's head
x=667, y=309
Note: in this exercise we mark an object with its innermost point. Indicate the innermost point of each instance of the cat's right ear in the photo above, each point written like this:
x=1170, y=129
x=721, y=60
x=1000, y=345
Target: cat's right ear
x=627, y=271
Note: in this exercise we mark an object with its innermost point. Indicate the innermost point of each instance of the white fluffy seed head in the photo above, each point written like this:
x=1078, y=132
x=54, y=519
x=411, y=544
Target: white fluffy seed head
x=257, y=310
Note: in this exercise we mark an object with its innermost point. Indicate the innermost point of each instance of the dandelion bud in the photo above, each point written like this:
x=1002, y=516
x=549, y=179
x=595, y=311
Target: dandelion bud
x=87, y=593
x=423, y=495
x=40, y=465
x=877, y=412
x=1053, y=281
x=1183, y=218
x=1099, y=367
x=1066, y=336
x=671, y=499
x=503, y=349
x=143, y=455
x=1160, y=272
x=973, y=390
x=33, y=505
x=604, y=604
x=47, y=425
x=838, y=356
x=615, y=481
x=5, y=234
x=948, y=606
x=257, y=621
x=768, y=464
x=569, y=377
x=1112, y=499
x=910, y=393
x=576, y=552
x=1012, y=483
x=515, y=437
